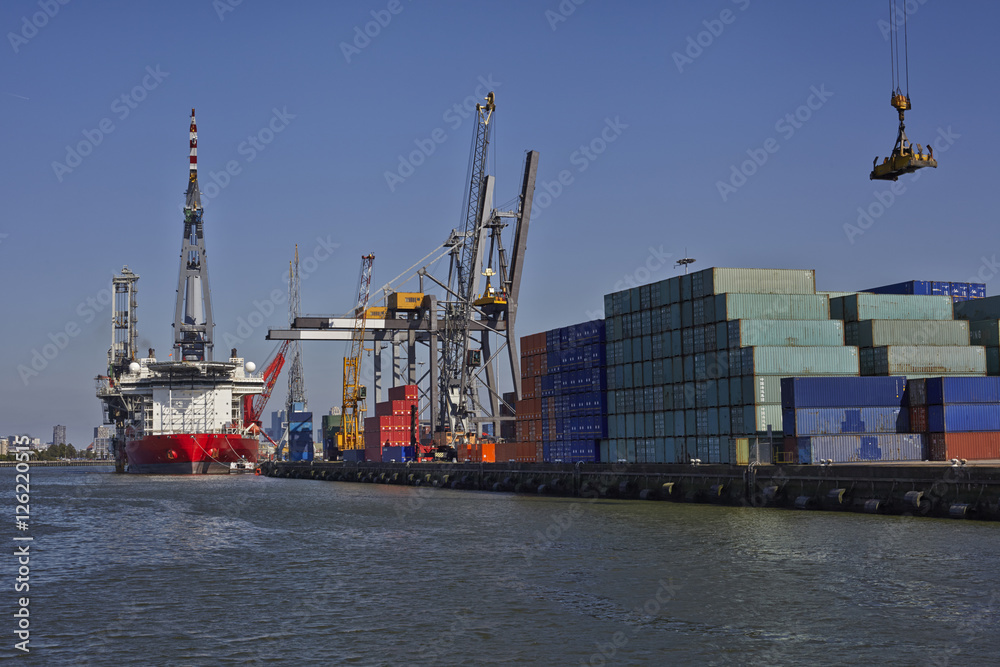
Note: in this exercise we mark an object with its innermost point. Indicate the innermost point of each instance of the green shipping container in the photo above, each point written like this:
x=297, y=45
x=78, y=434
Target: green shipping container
x=757, y=418
x=992, y=360
x=978, y=309
x=771, y=307
x=866, y=306
x=750, y=333
x=752, y=281
x=793, y=361
x=879, y=333
x=983, y=332
x=923, y=359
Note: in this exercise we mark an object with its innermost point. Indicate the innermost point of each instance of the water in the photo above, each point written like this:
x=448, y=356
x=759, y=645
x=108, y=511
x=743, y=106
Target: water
x=137, y=570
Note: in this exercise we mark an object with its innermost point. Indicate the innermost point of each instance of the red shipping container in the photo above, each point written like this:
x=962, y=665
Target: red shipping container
x=406, y=392
x=918, y=419
x=388, y=408
x=981, y=446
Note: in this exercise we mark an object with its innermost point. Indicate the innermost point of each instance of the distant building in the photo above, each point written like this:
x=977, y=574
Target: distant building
x=102, y=441
x=4, y=446
x=59, y=435
x=277, y=425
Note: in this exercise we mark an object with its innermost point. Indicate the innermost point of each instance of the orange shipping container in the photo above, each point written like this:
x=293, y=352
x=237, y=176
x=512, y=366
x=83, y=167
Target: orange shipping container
x=971, y=446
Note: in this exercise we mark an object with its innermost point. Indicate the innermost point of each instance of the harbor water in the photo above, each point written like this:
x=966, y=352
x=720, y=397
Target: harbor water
x=239, y=569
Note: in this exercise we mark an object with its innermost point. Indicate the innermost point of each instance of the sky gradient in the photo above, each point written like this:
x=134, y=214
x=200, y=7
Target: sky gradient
x=644, y=114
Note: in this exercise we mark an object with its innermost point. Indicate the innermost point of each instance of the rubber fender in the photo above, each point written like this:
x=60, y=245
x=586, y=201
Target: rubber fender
x=804, y=502
x=542, y=489
x=958, y=511
x=872, y=506
x=915, y=500
x=836, y=496
x=646, y=494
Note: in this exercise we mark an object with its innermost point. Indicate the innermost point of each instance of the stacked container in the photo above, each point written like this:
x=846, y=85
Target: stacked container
x=389, y=434
x=848, y=420
x=984, y=328
x=961, y=416
x=534, y=366
x=300, y=436
x=332, y=425
x=568, y=418
x=957, y=291
x=695, y=361
x=913, y=335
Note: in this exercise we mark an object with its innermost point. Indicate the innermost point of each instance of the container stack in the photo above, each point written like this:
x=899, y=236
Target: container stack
x=332, y=425
x=908, y=334
x=534, y=366
x=300, y=436
x=957, y=291
x=848, y=419
x=568, y=419
x=983, y=317
x=389, y=434
x=960, y=415
x=695, y=361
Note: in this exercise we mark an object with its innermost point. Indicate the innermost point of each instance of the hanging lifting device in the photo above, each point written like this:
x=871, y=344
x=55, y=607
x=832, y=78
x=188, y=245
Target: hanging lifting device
x=903, y=160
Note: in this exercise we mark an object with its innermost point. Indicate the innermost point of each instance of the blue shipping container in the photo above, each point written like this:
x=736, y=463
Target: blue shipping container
x=963, y=390
x=833, y=392
x=963, y=417
x=909, y=287
x=830, y=421
x=856, y=448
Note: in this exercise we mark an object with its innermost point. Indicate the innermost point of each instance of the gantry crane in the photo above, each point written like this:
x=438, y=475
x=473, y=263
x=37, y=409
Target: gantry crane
x=903, y=160
x=354, y=407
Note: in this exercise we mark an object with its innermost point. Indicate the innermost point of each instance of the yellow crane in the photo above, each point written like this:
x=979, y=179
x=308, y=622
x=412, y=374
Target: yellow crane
x=903, y=160
x=354, y=407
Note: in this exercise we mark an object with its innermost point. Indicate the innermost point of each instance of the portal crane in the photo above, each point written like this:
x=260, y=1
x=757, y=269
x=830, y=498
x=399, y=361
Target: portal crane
x=903, y=159
x=354, y=392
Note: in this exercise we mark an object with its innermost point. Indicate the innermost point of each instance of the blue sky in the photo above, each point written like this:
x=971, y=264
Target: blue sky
x=677, y=117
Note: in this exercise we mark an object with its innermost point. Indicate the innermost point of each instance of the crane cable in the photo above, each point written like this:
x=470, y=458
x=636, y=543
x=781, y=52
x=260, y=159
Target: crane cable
x=897, y=79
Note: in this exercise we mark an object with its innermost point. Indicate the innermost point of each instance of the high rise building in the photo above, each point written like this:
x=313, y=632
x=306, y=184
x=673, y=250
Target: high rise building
x=59, y=435
x=102, y=442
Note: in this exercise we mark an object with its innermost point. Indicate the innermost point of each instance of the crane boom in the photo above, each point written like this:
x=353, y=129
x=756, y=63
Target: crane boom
x=354, y=392
x=254, y=404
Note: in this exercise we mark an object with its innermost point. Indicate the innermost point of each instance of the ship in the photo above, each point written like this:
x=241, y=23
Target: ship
x=188, y=414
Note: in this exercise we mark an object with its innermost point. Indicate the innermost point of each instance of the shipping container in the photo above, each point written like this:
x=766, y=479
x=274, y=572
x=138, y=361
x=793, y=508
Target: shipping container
x=862, y=448
x=880, y=333
x=984, y=332
x=962, y=390
x=752, y=281
x=811, y=333
x=918, y=419
x=834, y=421
x=916, y=392
x=920, y=287
x=868, y=306
x=831, y=392
x=760, y=389
x=992, y=360
x=970, y=446
x=923, y=359
x=963, y=417
x=405, y=300
x=757, y=419
x=771, y=307
x=791, y=361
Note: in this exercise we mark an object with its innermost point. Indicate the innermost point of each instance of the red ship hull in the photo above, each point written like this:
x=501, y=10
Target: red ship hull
x=189, y=453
